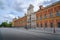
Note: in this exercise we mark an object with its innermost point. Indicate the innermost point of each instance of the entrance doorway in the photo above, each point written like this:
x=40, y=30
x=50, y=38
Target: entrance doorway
x=58, y=24
x=51, y=24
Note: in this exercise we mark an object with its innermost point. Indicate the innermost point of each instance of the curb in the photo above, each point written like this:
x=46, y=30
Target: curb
x=45, y=32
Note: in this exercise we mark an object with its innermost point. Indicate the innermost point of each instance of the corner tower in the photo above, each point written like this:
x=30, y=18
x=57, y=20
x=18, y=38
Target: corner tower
x=29, y=12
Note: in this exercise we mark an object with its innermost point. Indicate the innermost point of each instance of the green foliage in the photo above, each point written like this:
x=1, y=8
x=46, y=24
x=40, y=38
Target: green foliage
x=10, y=24
x=5, y=24
x=0, y=25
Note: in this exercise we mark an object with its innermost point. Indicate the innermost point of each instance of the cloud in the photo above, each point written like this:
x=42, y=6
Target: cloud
x=48, y=2
x=1, y=5
x=14, y=8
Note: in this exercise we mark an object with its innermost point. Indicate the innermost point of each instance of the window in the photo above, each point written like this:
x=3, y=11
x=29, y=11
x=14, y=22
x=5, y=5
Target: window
x=57, y=13
x=40, y=17
x=36, y=18
x=45, y=24
x=41, y=25
x=29, y=21
x=51, y=14
x=30, y=17
x=51, y=24
x=45, y=16
x=58, y=24
x=37, y=25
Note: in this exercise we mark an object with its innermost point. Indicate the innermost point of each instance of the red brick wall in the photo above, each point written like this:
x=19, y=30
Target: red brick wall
x=48, y=20
x=21, y=22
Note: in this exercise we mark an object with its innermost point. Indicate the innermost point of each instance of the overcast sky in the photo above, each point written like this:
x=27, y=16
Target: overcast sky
x=10, y=9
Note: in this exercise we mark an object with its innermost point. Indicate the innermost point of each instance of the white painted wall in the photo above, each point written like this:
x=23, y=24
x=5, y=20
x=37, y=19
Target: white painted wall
x=29, y=12
x=33, y=17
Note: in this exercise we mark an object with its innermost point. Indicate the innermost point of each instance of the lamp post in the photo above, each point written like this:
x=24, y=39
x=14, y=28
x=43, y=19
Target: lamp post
x=54, y=31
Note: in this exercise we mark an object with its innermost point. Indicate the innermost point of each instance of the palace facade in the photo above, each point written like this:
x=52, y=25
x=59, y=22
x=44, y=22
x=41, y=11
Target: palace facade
x=45, y=17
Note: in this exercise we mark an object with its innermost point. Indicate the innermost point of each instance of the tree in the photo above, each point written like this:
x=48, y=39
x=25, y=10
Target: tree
x=0, y=25
x=10, y=24
x=5, y=24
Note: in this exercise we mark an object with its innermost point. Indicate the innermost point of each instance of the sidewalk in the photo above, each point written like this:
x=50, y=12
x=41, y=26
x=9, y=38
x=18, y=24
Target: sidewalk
x=42, y=30
x=46, y=30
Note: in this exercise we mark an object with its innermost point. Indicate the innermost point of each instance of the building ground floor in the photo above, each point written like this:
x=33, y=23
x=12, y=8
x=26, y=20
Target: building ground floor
x=49, y=23
x=46, y=23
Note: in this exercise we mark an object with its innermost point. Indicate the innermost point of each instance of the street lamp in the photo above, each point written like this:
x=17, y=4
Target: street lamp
x=54, y=31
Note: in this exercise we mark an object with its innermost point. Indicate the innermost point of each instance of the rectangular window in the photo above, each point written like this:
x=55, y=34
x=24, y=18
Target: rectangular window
x=51, y=14
x=57, y=13
x=29, y=21
x=59, y=24
x=36, y=18
x=37, y=25
x=40, y=17
x=45, y=24
x=41, y=25
x=45, y=16
x=51, y=24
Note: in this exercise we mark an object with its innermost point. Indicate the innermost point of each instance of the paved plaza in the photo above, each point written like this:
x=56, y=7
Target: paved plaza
x=23, y=34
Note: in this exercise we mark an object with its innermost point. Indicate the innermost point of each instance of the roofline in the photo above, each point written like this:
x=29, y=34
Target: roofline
x=58, y=2
x=48, y=6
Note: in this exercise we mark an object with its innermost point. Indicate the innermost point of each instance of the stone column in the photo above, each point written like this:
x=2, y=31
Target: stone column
x=48, y=24
x=43, y=25
x=55, y=23
x=54, y=26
